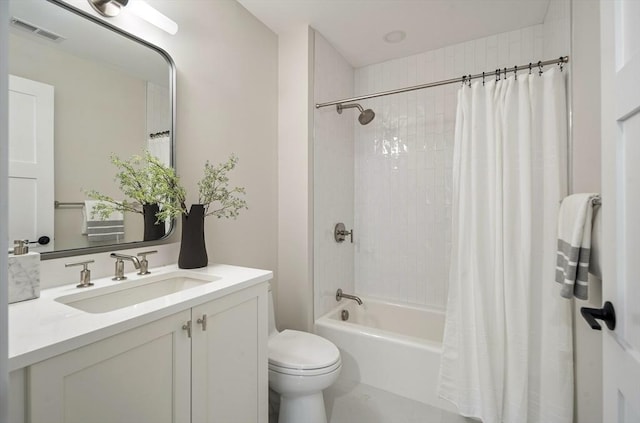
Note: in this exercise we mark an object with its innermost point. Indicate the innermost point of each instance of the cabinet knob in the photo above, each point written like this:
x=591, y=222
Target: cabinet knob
x=187, y=327
x=203, y=321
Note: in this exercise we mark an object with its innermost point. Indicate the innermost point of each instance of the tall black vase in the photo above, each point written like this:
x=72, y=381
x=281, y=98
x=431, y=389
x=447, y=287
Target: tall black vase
x=152, y=230
x=193, y=251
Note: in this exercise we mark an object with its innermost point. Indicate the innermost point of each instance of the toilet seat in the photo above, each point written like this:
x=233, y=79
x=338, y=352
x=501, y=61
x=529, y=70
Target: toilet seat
x=302, y=354
x=313, y=372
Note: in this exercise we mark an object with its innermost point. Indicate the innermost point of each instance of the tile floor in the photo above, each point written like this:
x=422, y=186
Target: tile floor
x=347, y=402
x=350, y=402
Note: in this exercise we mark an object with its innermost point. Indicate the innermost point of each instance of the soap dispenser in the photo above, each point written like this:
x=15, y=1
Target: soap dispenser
x=20, y=247
x=24, y=272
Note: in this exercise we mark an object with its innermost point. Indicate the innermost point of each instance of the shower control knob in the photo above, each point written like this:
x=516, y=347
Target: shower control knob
x=340, y=233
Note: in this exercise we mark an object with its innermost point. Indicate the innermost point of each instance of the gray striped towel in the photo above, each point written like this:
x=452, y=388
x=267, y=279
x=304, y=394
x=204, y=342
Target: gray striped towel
x=98, y=229
x=574, y=244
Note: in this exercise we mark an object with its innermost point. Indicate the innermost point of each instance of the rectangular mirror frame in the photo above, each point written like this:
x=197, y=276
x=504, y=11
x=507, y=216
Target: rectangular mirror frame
x=172, y=102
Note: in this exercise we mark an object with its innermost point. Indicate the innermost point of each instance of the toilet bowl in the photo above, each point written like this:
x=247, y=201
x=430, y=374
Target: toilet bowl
x=301, y=366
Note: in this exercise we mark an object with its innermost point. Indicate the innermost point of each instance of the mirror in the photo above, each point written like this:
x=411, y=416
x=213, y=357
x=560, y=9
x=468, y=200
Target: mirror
x=80, y=91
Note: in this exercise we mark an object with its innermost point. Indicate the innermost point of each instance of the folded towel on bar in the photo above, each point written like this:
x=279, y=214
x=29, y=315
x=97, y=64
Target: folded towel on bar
x=574, y=244
x=99, y=229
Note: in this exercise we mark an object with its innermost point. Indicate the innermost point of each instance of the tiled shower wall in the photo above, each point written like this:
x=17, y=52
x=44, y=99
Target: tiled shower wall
x=403, y=159
x=403, y=165
x=333, y=177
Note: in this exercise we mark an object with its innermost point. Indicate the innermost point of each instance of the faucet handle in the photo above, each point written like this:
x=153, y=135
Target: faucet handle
x=85, y=273
x=80, y=263
x=144, y=263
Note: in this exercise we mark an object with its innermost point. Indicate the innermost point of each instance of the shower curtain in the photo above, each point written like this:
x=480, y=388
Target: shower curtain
x=160, y=147
x=507, y=350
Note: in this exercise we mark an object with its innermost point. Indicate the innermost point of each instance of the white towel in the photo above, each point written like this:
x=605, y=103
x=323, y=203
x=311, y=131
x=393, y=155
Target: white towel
x=574, y=244
x=99, y=229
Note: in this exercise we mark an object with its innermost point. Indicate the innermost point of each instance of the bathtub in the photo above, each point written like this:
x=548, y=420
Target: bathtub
x=393, y=347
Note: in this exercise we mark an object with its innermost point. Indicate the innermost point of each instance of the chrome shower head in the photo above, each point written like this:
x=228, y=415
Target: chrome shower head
x=366, y=116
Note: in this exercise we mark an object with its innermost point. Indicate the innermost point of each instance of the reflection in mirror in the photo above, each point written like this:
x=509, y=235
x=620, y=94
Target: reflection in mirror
x=79, y=92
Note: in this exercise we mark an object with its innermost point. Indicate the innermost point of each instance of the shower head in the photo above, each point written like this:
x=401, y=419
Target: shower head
x=366, y=116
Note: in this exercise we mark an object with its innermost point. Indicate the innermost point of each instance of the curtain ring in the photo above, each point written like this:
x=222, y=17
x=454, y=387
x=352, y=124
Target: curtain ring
x=483, y=79
x=530, y=68
x=505, y=73
x=497, y=74
x=464, y=78
x=515, y=72
x=540, y=68
x=561, y=63
x=469, y=80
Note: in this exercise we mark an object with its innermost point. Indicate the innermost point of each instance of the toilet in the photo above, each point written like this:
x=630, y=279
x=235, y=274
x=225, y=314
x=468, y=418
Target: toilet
x=301, y=365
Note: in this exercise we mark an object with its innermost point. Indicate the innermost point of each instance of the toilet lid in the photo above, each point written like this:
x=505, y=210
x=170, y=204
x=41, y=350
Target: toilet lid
x=293, y=349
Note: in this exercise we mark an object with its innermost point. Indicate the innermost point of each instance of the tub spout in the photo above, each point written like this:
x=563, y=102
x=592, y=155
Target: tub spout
x=340, y=295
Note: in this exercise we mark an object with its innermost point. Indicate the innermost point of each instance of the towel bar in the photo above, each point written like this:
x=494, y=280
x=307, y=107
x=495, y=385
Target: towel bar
x=596, y=201
x=57, y=204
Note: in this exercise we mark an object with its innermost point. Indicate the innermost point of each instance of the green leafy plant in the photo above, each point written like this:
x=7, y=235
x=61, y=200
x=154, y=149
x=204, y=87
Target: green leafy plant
x=143, y=179
x=146, y=180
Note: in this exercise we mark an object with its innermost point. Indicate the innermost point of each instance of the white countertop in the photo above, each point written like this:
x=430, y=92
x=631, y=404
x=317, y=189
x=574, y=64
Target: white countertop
x=42, y=328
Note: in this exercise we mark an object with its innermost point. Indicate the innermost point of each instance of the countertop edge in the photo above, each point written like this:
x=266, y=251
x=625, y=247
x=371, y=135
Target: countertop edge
x=31, y=357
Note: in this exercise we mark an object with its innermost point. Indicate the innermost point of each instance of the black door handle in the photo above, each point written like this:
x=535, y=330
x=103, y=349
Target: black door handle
x=43, y=240
x=606, y=314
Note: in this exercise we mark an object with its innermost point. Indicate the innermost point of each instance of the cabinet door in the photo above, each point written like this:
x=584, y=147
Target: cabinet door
x=141, y=376
x=229, y=359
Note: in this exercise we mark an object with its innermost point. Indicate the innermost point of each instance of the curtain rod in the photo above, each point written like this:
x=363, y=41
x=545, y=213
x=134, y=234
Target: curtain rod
x=465, y=78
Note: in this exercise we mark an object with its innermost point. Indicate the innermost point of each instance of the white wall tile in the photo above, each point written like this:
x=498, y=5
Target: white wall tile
x=403, y=165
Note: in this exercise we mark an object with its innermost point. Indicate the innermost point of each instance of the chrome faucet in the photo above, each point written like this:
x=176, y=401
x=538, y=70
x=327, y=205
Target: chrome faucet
x=119, y=276
x=340, y=295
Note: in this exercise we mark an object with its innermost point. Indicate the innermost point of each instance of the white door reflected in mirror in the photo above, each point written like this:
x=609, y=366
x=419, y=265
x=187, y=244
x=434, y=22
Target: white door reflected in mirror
x=31, y=169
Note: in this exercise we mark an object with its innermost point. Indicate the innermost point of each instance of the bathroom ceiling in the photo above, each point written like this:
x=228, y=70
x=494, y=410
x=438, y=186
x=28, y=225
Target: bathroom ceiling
x=357, y=27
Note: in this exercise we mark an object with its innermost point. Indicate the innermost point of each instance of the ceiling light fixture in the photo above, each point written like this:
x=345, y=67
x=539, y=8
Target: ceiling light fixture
x=143, y=10
x=394, y=37
x=140, y=8
x=109, y=8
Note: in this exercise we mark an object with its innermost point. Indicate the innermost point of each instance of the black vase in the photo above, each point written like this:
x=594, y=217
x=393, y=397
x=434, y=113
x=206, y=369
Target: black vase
x=152, y=230
x=193, y=251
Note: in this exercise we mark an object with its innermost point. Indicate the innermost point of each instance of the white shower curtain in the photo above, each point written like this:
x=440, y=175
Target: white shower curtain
x=160, y=147
x=507, y=350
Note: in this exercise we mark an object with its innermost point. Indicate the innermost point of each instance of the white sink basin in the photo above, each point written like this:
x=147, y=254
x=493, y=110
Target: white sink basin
x=129, y=293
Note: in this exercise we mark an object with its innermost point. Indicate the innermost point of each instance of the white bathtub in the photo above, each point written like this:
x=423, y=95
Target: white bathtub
x=390, y=346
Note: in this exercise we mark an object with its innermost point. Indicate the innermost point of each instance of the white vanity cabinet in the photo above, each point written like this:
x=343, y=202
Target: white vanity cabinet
x=229, y=359
x=159, y=372
x=142, y=375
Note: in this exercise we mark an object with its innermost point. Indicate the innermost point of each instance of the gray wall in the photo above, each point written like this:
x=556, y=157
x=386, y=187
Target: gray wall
x=585, y=72
x=294, y=299
x=227, y=103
